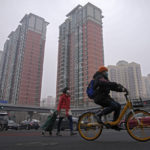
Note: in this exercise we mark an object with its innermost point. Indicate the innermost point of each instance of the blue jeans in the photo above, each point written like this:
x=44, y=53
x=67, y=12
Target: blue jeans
x=70, y=123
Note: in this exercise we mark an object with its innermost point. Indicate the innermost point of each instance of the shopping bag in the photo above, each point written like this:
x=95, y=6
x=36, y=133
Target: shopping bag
x=49, y=124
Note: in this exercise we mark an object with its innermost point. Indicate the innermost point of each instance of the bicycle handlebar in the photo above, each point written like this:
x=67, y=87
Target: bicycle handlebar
x=126, y=94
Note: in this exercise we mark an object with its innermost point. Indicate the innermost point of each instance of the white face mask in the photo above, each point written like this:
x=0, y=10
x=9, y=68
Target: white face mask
x=67, y=92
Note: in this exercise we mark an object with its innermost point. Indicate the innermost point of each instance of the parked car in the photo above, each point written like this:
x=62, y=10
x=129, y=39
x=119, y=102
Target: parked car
x=65, y=123
x=12, y=125
x=26, y=124
x=3, y=121
x=34, y=124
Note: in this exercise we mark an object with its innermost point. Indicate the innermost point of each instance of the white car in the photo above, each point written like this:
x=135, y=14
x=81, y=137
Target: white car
x=12, y=125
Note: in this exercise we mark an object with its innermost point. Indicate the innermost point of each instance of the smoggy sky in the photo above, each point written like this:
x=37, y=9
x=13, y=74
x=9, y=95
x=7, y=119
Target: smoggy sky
x=126, y=30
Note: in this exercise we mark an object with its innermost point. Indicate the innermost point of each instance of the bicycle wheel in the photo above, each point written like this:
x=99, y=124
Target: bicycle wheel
x=88, y=127
x=138, y=125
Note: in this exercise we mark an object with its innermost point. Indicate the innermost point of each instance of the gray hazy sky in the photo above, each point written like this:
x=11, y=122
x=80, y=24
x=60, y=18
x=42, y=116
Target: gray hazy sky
x=126, y=30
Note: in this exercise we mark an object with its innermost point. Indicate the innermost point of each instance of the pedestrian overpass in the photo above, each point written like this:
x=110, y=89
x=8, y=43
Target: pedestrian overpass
x=35, y=109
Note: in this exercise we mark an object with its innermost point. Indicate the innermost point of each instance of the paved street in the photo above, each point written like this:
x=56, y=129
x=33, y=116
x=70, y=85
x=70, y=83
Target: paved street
x=33, y=140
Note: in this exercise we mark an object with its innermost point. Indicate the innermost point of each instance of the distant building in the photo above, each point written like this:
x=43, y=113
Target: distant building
x=144, y=80
x=80, y=52
x=129, y=75
x=1, y=52
x=48, y=102
x=21, y=67
x=146, y=86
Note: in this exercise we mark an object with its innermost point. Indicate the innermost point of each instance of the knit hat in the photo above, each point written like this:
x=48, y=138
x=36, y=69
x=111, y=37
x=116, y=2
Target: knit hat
x=102, y=68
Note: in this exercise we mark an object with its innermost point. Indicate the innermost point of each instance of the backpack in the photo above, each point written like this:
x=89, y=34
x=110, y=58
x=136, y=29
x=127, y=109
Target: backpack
x=90, y=90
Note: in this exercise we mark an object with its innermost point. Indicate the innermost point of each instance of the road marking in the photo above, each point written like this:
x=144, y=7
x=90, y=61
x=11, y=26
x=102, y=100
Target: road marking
x=21, y=134
x=37, y=144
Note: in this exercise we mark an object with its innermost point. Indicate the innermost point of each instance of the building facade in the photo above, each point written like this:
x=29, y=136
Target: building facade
x=129, y=75
x=80, y=52
x=146, y=86
x=1, y=52
x=22, y=62
x=48, y=102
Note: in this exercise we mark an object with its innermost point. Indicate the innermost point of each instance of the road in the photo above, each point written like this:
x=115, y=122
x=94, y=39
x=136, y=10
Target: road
x=33, y=140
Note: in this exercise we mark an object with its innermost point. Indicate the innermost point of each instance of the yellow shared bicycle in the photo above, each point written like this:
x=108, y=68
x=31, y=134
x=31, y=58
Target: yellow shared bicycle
x=136, y=123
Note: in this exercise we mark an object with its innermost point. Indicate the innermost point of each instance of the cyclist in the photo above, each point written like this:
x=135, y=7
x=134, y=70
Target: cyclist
x=102, y=87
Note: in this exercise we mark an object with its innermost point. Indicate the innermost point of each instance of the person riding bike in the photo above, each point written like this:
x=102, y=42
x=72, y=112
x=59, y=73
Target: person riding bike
x=103, y=86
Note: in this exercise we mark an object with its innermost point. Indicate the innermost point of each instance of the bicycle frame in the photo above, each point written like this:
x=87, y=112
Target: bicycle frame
x=126, y=107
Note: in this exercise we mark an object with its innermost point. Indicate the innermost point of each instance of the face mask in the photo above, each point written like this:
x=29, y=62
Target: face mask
x=106, y=74
x=67, y=92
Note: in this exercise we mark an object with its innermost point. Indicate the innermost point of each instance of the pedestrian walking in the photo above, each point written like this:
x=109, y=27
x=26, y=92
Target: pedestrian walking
x=64, y=110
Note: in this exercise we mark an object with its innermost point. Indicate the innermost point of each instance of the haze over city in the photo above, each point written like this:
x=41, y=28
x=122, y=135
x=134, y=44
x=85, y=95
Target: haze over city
x=125, y=30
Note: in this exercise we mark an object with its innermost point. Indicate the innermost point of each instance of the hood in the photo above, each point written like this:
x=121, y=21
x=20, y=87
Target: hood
x=99, y=74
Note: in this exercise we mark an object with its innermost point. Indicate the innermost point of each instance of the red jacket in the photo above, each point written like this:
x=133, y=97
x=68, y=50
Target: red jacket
x=64, y=103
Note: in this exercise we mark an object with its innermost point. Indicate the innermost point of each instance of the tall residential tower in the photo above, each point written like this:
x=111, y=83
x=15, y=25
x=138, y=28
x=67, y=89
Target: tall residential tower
x=22, y=62
x=130, y=76
x=80, y=52
x=146, y=86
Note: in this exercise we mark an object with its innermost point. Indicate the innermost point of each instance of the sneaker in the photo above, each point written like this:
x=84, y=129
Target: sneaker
x=58, y=134
x=116, y=128
x=72, y=133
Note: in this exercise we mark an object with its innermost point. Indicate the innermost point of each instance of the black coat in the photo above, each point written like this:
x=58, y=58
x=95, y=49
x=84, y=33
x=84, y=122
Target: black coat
x=103, y=86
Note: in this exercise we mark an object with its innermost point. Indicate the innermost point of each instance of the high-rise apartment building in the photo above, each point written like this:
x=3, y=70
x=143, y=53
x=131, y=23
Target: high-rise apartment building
x=129, y=75
x=22, y=62
x=1, y=52
x=146, y=86
x=48, y=102
x=80, y=52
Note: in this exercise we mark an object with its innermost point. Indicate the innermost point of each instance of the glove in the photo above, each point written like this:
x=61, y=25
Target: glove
x=124, y=90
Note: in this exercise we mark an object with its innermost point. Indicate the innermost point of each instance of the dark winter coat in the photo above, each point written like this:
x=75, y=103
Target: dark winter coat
x=103, y=86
